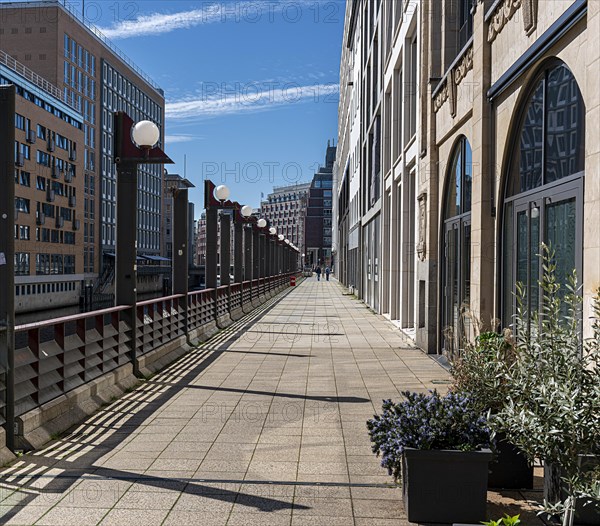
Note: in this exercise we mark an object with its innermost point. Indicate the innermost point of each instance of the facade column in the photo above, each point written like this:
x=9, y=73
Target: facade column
x=482, y=222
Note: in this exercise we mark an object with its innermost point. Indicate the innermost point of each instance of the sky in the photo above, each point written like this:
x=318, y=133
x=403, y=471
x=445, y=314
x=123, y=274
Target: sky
x=251, y=86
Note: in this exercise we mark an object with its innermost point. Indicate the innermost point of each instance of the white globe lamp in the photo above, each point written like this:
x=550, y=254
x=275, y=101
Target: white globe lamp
x=222, y=192
x=145, y=134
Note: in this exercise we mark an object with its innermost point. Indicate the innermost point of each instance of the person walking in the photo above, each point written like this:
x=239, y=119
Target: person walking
x=318, y=271
x=327, y=272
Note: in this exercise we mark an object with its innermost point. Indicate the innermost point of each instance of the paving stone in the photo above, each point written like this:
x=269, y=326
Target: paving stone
x=287, y=408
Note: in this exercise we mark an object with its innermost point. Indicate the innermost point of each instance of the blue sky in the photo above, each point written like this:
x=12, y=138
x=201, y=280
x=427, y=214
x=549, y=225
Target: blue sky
x=251, y=85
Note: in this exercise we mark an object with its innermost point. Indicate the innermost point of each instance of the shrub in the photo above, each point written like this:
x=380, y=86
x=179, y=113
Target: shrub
x=426, y=422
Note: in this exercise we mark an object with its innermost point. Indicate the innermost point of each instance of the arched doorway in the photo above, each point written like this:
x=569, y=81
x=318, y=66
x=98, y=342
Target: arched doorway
x=456, y=254
x=543, y=199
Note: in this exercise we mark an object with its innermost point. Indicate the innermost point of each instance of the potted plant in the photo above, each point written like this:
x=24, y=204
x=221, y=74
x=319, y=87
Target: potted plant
x=438, y=446
x=553, y=407
x=479, y=372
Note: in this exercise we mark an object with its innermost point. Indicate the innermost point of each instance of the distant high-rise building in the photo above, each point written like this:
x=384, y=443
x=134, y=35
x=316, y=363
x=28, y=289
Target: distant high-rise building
x=97, y=79
x=318, y=219
x=285, y=209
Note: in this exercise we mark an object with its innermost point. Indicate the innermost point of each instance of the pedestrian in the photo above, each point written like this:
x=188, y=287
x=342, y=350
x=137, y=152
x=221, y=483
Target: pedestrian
x=318, y=271
x=327, y=272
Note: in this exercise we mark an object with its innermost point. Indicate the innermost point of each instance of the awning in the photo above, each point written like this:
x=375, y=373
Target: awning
x=113, y=255
x=157, y=258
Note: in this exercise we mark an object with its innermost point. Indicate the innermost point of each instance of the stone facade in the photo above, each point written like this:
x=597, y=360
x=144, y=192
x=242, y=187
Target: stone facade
x=507, y=145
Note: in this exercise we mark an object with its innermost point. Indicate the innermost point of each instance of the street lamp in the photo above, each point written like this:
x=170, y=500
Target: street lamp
x=133, y=145
x=222, y=192
x=246, y=211
x=145, y=134
x=281, y=237
x=262, y=223
x=273, y=230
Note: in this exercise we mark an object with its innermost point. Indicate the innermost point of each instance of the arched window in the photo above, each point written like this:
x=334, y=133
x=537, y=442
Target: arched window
x=456, y=266
x=543, y=195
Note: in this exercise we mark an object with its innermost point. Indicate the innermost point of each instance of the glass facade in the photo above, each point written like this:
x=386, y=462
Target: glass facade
x=119, y=94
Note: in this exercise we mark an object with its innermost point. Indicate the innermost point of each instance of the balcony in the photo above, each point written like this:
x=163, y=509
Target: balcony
x=72, y=155
x=50, y=195
x=31, y=138
x=68, y=177
x=76, y=225
x=72, y=201
x=60, y=222
x=50, y=146
x=40, y=218
x=20, y=160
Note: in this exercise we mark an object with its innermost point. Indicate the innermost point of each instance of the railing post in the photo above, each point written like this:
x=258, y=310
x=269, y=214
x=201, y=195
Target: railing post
x=7, y=258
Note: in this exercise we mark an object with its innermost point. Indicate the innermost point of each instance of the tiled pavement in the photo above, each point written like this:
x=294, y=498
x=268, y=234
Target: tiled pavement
x=262, y=425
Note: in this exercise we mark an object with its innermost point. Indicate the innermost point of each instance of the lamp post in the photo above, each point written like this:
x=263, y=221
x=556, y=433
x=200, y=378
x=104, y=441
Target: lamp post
x=7, y=258
x=133, y=145
x=246, y=213
x=262, y=224
x=180, y=261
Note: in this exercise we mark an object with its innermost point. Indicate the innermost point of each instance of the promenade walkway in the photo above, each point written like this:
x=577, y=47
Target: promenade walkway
x=262, y=425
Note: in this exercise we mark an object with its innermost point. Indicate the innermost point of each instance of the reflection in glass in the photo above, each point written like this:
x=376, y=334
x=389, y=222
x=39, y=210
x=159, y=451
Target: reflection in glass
x=564, y=129
x=531, y=142
x=561, y=221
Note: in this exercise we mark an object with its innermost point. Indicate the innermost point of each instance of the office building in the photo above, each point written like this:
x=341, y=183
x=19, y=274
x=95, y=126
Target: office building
x=318, y=216
x=285, y=208
x=49, y=184
x=97, y=79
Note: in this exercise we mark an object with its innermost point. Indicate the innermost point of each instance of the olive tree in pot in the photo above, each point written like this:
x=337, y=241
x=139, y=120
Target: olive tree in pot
x=479, y=372
x=553, y=407
x=437, y=446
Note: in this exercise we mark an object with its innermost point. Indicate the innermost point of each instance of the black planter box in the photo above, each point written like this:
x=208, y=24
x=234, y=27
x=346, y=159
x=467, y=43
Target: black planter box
x=509, y=469
x=445, y=486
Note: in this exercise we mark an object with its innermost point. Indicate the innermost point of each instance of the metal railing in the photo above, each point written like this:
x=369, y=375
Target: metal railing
x=56, y=356
x=34, y=78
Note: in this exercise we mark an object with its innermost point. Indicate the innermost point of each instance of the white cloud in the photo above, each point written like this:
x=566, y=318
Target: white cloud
x=172, y=139
x=251, y=97
x=251, y=11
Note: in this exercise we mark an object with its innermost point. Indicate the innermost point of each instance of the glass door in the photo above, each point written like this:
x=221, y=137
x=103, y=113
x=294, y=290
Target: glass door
x=550, y=217
x=457, y=284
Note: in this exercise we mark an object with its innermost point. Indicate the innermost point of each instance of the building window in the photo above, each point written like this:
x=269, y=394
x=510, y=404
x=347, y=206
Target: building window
x=21, y=264
x=465, y=22
x=456, y=267
x=544, y=187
